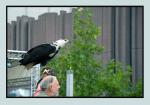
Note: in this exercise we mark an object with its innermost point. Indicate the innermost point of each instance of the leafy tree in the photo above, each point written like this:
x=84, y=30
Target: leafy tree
x=91, y=78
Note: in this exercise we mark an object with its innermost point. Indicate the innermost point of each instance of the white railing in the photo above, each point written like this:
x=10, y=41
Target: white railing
x=15, y=54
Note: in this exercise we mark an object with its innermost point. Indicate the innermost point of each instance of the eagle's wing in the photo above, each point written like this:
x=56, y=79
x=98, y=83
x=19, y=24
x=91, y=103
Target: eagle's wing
x=38, y=53
x=38, y=47
x=44, y=49
x=43, y=62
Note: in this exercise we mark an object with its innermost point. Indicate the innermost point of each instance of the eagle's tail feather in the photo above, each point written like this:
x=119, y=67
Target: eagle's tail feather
x=25, y=59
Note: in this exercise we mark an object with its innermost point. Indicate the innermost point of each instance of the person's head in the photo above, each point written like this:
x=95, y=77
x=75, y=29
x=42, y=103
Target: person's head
x=48, y=71
x=50, y=85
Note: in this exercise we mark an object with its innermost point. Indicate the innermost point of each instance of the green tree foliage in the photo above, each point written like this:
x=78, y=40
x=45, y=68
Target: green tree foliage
x=91, y=78
x=115, y=81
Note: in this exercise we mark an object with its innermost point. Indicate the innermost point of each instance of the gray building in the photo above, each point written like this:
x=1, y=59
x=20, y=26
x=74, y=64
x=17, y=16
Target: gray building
x=122, y=33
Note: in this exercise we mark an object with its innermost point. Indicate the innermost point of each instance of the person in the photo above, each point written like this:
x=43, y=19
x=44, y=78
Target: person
x=46, y=71
x=49, y=86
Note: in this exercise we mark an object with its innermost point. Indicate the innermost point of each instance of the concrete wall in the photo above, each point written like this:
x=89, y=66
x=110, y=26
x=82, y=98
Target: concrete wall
x=18, y=72
x=122, y=36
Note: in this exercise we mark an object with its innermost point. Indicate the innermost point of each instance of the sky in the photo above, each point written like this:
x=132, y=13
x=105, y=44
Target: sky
x=13, y=12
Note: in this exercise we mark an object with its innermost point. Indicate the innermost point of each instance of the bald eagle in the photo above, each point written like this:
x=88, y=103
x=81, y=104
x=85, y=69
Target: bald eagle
x=41, y=54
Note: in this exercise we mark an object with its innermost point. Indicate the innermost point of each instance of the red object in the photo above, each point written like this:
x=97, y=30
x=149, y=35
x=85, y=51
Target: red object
x=37, y=91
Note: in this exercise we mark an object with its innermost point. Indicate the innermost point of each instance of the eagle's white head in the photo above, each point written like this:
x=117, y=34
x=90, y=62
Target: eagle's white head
x=60, y=43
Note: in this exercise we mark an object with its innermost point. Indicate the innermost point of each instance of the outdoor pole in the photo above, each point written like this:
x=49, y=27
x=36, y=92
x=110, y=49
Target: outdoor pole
x=69, y=84
x=35, y=76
